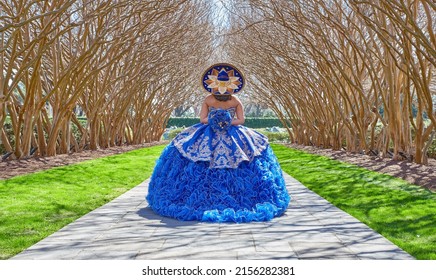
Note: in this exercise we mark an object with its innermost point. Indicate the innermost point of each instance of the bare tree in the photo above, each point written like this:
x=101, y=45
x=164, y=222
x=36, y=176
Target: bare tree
x=328, y=69
x=357, y=75
x=125, y=64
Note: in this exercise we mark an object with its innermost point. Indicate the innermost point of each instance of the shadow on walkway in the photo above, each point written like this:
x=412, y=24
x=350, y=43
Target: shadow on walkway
x=126, y=228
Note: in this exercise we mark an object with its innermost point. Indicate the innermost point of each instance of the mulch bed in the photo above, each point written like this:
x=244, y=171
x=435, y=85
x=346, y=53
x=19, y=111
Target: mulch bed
x=418, y=174
x=11, y=168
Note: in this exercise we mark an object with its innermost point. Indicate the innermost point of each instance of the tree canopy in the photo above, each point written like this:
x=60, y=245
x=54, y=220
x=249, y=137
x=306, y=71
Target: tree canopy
x=338, y=73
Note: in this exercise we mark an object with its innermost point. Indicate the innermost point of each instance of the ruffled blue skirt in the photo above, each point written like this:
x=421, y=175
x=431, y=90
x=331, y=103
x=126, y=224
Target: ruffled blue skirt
x=186, y=190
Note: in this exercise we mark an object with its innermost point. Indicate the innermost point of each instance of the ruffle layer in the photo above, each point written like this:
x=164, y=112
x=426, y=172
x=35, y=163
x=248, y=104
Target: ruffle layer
x=187, y=190
x=221, y=149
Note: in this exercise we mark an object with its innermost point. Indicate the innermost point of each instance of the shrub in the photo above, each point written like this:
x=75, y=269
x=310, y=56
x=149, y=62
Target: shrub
x=431, y=152
x=249, y=122
x=174, y=131
x=274, y=136
x=10, y=134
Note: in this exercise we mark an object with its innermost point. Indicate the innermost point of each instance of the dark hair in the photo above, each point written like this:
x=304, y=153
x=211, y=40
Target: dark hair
x=222, y=97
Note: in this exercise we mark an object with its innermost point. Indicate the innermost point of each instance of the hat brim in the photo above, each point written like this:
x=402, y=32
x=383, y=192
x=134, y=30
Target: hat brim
x=232, y=85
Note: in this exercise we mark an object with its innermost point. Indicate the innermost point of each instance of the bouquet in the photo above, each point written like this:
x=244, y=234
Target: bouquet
x=220, y=119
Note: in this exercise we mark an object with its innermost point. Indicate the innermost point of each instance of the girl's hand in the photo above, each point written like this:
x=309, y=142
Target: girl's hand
x=220, y=119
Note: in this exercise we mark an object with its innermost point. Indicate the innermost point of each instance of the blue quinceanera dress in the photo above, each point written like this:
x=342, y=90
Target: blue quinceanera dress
x=218, y=172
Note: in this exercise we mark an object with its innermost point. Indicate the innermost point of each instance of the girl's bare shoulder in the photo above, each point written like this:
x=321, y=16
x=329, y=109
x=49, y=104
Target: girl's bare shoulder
x=209, y=99
x=236, y=100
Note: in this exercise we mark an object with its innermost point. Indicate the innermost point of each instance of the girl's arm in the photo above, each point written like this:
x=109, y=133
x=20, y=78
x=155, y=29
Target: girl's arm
x=240, y=117
x=204, y=112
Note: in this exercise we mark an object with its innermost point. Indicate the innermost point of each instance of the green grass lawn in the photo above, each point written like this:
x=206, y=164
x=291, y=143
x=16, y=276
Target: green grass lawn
x=403, y=213
x=35, y=205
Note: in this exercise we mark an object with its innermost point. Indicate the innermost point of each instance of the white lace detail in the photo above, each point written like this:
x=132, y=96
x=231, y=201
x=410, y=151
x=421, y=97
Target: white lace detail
x=222, y=149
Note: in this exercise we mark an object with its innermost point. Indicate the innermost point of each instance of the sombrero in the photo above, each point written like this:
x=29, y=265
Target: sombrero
x=223, y=78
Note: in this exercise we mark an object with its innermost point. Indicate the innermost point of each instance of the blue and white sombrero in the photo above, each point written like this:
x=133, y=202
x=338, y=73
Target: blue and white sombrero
x=223, y=78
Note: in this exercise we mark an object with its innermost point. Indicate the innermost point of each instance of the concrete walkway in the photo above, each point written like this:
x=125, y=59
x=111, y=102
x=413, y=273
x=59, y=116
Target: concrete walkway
x=126, y=228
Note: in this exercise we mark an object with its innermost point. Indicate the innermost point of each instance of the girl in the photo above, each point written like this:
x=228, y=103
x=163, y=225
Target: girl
x=219, y=170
